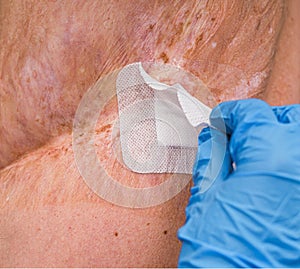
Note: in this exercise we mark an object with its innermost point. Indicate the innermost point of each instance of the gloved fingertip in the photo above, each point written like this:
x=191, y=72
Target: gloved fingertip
x=203, y=154
x=213, y=158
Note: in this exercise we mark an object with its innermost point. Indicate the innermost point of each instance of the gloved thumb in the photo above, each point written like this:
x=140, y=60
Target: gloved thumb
x=213, y=162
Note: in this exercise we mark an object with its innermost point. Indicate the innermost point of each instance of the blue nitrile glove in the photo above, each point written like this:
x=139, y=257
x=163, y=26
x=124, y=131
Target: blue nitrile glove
x=249, y=217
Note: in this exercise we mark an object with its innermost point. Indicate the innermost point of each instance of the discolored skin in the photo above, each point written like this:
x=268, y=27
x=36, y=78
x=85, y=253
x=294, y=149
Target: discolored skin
x=52, y=52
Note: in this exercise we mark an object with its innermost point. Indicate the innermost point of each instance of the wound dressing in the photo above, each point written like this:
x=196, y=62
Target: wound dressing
x=159, y=123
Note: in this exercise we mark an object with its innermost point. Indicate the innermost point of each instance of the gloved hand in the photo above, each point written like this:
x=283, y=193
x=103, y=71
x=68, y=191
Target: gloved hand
x=250, y=216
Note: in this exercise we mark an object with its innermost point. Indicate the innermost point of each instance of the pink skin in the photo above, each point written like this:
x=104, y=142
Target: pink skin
x=52, y=53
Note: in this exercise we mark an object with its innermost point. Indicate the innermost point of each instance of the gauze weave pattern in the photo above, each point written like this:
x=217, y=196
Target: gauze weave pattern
x=155, y=133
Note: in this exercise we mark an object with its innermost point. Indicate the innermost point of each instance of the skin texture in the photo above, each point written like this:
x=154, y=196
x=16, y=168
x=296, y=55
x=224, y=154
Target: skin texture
x=284, y=83
x=52, y=53
x=60, y=52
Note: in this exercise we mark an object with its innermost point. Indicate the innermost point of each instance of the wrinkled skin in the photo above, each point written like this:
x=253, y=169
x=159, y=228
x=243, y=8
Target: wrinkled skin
x=52, y=52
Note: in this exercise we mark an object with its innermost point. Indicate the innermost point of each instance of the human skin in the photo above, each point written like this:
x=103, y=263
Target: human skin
x=284, y=83
x=52, y=53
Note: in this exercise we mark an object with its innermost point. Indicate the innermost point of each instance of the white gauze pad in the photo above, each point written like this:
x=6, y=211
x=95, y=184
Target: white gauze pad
x=159, y=123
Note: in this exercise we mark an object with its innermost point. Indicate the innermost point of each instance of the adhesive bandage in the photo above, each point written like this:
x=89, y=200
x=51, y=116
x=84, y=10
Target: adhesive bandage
x=159, y=123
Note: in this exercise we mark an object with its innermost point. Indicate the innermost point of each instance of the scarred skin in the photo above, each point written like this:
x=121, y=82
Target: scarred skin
x=52, y=53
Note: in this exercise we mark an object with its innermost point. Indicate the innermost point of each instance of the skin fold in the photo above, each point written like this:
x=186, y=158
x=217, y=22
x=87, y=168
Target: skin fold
x=53, y=51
